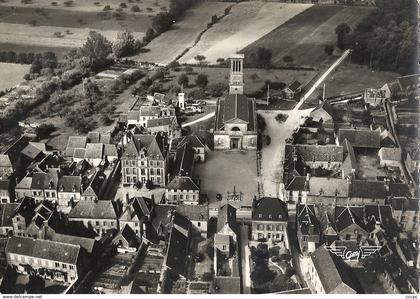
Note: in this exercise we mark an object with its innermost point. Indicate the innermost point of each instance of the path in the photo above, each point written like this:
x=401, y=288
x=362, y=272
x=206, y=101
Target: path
x=272, y=155
x=245, y=254
x=203, y=118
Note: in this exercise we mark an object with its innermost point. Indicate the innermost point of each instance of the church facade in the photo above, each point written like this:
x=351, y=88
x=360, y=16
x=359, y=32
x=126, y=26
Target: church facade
x=235, y=125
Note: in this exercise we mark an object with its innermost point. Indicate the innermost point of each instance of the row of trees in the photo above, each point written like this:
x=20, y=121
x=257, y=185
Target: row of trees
x=386, y=40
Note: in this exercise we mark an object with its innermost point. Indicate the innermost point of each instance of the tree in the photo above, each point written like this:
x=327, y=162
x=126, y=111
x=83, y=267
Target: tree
x=202, y=81
x=342, y=31
x=162, y=22
x=263, y=57
x=36, y=67
x=150, y=34
x=183, y=80
x=96, y=48
x=124, y=45
x=217, y=89
x=329, y=49
x=44, y=130
x=200, y=58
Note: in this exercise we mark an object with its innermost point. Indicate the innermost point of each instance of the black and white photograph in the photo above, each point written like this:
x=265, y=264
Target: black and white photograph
x=209, y=147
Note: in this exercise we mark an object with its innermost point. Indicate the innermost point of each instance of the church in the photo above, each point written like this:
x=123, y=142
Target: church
x=235, y=126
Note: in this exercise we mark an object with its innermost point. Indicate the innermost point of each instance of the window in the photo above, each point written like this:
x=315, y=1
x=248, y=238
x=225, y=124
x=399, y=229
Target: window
x=64, y=266
x=57, y=265
x=71, y=267
x=199, y=224
x=158, y=171
x=97, y=222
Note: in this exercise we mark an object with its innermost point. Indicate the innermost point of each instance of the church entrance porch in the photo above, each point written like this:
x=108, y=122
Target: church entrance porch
x=235, y=143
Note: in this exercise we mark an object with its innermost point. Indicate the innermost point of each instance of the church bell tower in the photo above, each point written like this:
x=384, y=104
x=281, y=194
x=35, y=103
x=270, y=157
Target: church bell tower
x=236, y=81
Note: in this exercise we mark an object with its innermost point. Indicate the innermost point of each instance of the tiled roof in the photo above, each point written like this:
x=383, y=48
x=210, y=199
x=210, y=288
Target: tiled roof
x=399, y=190
x=298, y=183
x=79, y=153
x=194, y=212
x=138, y=208
x=346, y=217
x=294, y=86
x=41, y=180
x=270, y=209
x=317, y=153
x=184, y=161
x=77, y=142
x=93, y=137
x=49, y=250
x=110, y=150
x=409, y=82
x=235, y=107
x=330, y=269
x=153, y=145
x=94, y=151
x=95, y=185
x=4, y=184
x=31, y=151
x=182, y=183
x=69, y=183
x=360, y=137
x=380, y=213
x=307, y=221
x=7, y=211
x=330, y=187
x=87, y=209
x=164, y=121
x=5, y=161
x=405, y=204
x=86, y=243
x=368, y=189
x=390, y=154
x=105, y=139
x=149, y=111
x=192, y=140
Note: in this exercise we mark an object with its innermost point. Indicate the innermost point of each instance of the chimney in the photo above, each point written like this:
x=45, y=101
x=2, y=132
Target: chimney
x=127, y=199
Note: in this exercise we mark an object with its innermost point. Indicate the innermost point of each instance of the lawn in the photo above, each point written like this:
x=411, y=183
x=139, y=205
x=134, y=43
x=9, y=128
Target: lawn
x=11, y=74
x=246, y=23
x=225, y=170
x=170, y=44
x=305, y=36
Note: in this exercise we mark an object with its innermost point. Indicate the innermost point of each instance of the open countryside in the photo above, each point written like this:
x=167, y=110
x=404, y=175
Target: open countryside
x=245, y=23
x=305, y=36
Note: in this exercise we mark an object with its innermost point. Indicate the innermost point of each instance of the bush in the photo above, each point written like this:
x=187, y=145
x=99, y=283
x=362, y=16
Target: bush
x=107, y=7
x=183, y=80
x=68, y=3
x=188, y=69
x=123, y=5
x=197, y=93
x=273, y=251
x=281, y=118
x=44, y=130
x=217, y=89
x=202, y=80
x=135, y=8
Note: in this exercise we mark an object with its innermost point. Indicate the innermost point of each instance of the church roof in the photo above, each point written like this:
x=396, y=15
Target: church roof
x=235, y=108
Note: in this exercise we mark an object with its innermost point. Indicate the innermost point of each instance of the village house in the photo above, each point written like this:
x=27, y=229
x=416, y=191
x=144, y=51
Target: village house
x=404, y=87
x=405, y=211
x=23, y=215
x=390, y=157
x=138, y=211
x=6, y=192
x=94, y=153
x=95, y=187
x=182, y=190
x=197, y=214
x=69, y=190
x=75, y=142
x=168, y=125
x=235, y=126
x=374, y=97
x=144, y=160
x=176, y=257
x=359, y=138
x=127, y=240
x=318, y=156
x=269, y=220
x=290, y=91
x=323, y=113
x=349, y=223
x=6, y=167
x=98, y=216
x=195, y=142
x=55, y=260
x=308, y=229
x=7, y=211
x=328, y=274
x=46, y=215
x=44, y=185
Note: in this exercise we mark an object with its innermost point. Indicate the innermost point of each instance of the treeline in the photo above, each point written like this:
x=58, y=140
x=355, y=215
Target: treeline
x=48, y=59
x=387, y=39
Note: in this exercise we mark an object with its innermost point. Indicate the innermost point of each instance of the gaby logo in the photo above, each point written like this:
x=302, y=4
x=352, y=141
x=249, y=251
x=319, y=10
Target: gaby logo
x=352, y=254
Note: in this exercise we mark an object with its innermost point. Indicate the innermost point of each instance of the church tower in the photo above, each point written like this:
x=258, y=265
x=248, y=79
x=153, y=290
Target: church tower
x=236, y=81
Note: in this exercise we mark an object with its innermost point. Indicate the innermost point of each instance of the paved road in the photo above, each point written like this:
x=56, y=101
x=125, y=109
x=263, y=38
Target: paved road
x=245, y=253
x=205, y=117
x=294, y=251
x=272, y=155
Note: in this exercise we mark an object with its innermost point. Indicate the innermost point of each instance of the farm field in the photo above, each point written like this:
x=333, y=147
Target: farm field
x=305, y=36
x=246, y=23
x=146, y=6
x=40, y=24
x=170, y=44
x=11, y=74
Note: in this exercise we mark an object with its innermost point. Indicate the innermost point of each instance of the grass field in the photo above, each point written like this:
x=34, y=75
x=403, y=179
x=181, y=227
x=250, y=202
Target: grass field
x=45, y=26
x=246, y=23
x=11, y=74
x=254, y=78
x=305, y=36
x=170, y=44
